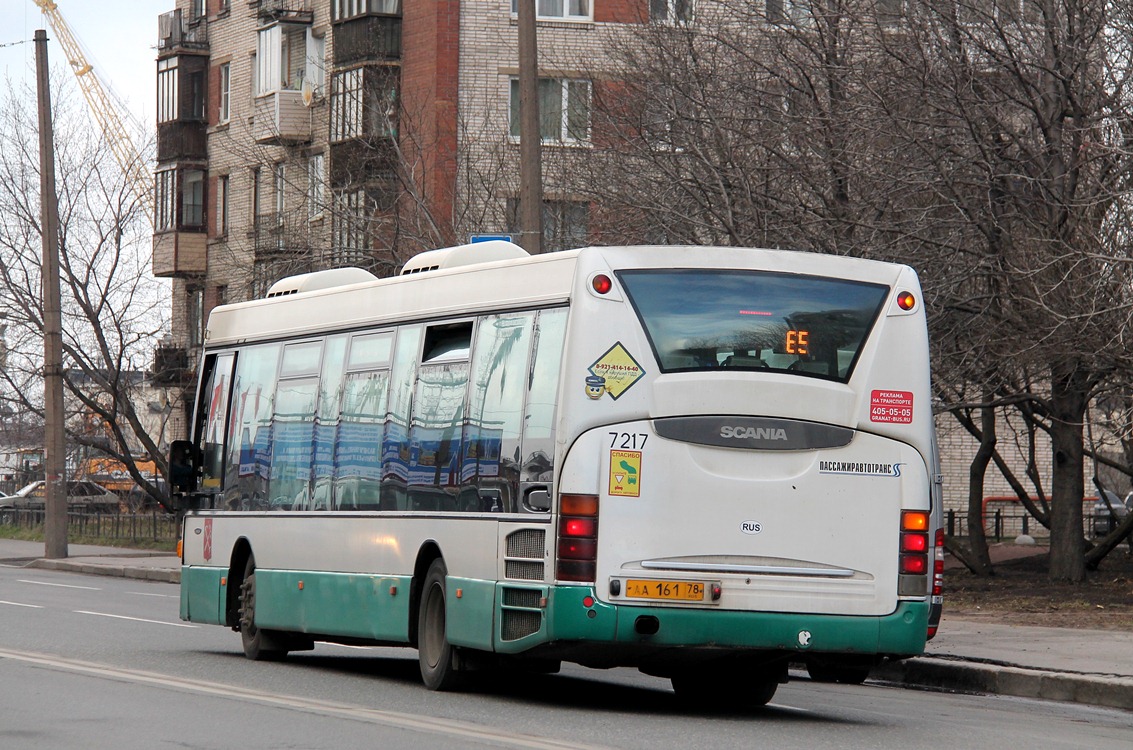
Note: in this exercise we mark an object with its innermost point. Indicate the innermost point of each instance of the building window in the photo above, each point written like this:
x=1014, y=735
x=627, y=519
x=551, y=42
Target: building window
x=167, y=90
x=314, y=68
x=572, y=9
x=670, y=11
x=197, y=98
x=787, y=11
x=282, y=52
x=279, y=185
x=346, y=105
x=566, y=224
x=195, y=315
x=350, y=239
x=222, y=205
x=165, y=200
x=343, y=10
x=269, y=60
x=225, y=93
x=564, y=110
x=193, y=198
x=223, y=6
x=316, y=179
x=196, y=10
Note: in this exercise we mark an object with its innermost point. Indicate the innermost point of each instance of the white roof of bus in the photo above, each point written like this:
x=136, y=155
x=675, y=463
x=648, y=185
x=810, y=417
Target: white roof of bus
x=506, y=284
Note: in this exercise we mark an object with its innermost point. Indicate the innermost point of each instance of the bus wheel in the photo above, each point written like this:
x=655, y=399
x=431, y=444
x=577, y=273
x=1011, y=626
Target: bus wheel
x=728, y=690
x=846, y=674
x=434, y=651
x=258, y=644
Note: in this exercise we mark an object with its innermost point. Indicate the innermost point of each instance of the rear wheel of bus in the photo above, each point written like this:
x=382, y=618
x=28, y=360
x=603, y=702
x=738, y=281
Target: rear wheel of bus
x=728, y=688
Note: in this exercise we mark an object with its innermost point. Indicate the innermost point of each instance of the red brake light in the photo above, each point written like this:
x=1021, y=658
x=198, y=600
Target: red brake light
x=602, y=283
x=914, y=564
x=906, y=301
x=914, y=542
x=584, y=527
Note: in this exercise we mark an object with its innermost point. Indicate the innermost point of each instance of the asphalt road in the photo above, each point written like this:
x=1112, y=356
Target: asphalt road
x=105, y=663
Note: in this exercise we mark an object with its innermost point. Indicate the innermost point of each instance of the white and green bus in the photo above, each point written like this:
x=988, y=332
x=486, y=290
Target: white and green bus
x=702, y=462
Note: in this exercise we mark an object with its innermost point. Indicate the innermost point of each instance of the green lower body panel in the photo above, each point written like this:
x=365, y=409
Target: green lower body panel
x=901, y=633
x=203, y=593
x=350, y=605
x=511, y=617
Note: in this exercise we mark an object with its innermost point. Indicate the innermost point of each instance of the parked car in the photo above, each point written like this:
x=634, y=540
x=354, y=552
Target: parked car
x=1104, y=521
x=81, y=495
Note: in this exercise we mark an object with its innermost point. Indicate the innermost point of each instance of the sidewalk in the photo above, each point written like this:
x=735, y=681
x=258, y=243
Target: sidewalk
x=968, y=655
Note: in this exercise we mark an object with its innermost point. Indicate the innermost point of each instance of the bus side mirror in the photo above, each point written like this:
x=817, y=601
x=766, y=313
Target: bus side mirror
x=183, y=464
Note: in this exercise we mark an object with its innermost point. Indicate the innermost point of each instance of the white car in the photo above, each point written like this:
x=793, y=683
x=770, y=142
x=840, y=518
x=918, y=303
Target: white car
x=81, y=495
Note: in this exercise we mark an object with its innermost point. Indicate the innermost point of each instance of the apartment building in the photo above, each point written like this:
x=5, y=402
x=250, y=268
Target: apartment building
x=296, y=135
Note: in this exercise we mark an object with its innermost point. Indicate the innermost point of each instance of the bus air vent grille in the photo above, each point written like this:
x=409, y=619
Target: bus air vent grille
x=518, y=623
x=522, y=598
x=527, y=543
x=524, y=570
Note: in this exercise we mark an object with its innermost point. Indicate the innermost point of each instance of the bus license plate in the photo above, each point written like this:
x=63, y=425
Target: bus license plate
x=681, y=591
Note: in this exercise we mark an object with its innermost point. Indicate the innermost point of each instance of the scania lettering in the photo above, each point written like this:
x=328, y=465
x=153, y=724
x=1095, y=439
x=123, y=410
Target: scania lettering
x=677, y=459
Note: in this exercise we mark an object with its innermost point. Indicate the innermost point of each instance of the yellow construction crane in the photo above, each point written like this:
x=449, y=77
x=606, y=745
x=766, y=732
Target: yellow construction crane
x=104, y=109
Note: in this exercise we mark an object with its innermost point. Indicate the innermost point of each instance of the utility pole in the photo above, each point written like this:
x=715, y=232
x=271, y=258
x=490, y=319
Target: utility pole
x=530, y=141
x=54, y=449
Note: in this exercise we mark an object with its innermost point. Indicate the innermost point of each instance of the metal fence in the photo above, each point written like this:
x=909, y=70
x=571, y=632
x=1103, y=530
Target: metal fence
x=154, y=526
x=1002, y=524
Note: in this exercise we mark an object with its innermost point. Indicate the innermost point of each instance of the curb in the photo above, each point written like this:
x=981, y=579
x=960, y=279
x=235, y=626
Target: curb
x=962, y=676
x=162, y=575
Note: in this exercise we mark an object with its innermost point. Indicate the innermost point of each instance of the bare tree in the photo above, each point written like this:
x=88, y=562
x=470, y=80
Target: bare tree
x=113, y=310
x=986, y=143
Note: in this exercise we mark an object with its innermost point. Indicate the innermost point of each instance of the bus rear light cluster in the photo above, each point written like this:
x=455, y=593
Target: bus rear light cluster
x=914, y=543
x=938, y=567
x=578, y=538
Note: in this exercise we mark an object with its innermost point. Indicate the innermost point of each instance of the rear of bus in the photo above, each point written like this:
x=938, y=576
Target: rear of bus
x=749, y=467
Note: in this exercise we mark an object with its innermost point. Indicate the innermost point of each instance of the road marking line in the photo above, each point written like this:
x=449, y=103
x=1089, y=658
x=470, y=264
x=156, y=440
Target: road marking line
x=60, y=585
x=17, y=604
x=135, y=619
x=438, y=725
x=143, y=593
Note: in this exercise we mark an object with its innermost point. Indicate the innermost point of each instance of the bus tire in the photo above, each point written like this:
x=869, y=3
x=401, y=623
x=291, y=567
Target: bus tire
x=259, y=645
x=435, y=653
x=724, y=689
x=845, y=674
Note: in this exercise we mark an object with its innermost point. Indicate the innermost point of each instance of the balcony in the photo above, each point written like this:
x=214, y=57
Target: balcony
x=175, y=35
x=367, y=38
x=282, y=118
x=286, y=11
x=179, y=254
x=170, y=366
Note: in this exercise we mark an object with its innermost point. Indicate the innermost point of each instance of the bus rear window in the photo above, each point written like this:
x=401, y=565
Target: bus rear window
x=749, y=320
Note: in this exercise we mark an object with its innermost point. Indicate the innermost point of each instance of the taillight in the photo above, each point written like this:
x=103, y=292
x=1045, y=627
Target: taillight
x=913, y=560
x=938, y=567
x=578, y=538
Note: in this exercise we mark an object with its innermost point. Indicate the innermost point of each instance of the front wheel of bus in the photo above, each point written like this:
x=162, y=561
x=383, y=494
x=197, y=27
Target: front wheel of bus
x=434, y=651
x=256, y=642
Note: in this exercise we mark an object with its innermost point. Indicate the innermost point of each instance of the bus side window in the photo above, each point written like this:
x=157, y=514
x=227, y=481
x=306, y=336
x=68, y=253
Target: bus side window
x=538, y=463
x=395, y=443
x=214, y=410
x=492, y=431
x=249, y=434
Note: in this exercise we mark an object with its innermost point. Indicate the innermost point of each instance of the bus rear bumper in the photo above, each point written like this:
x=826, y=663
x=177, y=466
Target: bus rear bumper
x=902, y=633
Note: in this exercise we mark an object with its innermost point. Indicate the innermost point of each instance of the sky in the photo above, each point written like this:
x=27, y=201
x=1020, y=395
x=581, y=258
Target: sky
x=119, y=38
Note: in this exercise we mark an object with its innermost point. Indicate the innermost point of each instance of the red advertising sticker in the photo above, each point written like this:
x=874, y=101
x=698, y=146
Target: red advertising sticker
x=891, y=406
